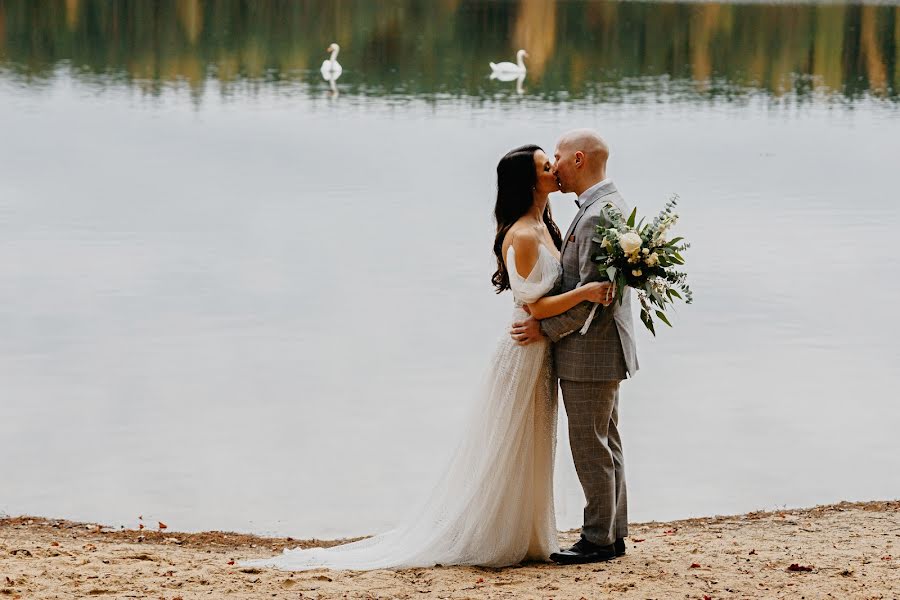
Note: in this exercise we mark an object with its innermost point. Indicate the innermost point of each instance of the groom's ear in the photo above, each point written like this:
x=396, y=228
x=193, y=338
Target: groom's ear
x=579, y=158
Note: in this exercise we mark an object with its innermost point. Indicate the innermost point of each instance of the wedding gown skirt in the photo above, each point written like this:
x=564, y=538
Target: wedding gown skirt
x=494, y=504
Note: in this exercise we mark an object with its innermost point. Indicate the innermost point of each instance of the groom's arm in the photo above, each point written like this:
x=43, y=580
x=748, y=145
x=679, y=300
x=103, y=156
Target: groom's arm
x=558, y=327
x=573, y=319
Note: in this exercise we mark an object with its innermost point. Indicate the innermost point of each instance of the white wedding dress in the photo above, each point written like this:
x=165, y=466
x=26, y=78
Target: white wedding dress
x=494, y=504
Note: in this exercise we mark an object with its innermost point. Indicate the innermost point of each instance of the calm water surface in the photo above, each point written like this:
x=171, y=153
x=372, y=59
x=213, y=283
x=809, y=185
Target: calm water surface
x=236, y=296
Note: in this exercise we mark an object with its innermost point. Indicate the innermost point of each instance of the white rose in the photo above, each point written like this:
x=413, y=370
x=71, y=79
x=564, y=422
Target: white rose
x=630, y=242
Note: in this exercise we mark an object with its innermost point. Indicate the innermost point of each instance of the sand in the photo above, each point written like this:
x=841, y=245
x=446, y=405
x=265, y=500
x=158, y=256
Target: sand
x=839, y=551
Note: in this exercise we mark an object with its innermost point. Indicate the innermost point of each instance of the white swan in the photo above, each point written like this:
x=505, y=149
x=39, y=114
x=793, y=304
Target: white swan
x=331, y=68
x=515, y=68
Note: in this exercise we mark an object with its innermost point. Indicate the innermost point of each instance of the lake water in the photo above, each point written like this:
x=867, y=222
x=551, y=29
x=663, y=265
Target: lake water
x=232, y=298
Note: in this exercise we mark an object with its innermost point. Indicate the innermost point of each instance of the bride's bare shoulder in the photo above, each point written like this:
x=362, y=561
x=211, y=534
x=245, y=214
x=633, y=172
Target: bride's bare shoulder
x=526, y=243
x=520, y=237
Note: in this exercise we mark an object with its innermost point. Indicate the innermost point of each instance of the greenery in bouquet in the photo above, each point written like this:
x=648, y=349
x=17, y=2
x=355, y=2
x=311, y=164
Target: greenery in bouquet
x=641, y=257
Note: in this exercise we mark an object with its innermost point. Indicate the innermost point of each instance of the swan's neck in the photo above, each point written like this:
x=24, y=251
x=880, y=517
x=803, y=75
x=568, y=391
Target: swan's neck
x=334, y=54
x=521, y=61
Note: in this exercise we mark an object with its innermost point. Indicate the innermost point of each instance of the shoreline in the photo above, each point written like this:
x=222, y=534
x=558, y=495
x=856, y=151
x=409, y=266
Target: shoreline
x=848, y=550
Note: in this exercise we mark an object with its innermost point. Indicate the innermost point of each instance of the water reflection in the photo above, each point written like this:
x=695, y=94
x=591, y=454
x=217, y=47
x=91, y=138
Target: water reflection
x=599, y=51
x=519, y=78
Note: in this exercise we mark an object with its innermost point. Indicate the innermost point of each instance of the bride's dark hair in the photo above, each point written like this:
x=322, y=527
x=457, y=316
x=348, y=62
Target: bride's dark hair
x=516, y=179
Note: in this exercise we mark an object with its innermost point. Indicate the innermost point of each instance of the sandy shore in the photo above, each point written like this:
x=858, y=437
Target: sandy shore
x=838, y=551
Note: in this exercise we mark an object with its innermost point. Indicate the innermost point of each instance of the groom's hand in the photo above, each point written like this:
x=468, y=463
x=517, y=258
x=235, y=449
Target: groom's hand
x=526, y=332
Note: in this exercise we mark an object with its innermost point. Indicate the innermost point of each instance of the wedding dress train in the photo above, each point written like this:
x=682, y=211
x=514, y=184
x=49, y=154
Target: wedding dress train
x=494, y=504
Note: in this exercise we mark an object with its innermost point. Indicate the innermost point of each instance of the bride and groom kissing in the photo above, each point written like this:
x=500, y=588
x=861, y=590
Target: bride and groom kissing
x=493, y=505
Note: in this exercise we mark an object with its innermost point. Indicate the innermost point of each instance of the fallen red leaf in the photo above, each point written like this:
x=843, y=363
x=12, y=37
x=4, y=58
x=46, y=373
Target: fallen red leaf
x=888, y=557
x=695, y=565
x=669, y=532
x=163, y=525
x=231, y=562
x=54, y=543
x=637, y=540
x=140, y=525
x=705, y=597
x=480, y=580
x=796, y=567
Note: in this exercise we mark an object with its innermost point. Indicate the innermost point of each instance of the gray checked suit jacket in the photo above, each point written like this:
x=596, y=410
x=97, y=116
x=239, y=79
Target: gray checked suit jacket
x=606, y=352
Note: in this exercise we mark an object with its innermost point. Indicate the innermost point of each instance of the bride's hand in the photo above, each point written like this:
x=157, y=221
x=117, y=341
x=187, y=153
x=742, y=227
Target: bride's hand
x=599, y=292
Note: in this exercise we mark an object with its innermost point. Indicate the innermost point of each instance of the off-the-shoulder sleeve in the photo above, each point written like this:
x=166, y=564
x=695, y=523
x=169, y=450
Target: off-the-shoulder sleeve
x=536, y=284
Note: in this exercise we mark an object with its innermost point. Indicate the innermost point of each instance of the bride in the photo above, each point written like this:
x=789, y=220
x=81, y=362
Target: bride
x=493, y=506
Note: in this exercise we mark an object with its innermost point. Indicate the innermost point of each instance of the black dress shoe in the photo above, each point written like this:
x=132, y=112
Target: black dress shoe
x=584, y=552
x=620, y=546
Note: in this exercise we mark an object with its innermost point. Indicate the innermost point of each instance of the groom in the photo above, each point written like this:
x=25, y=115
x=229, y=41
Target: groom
x=590, y=364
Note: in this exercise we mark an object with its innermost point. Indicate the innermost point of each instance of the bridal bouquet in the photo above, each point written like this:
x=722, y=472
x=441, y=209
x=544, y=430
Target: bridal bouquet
x=642, y=258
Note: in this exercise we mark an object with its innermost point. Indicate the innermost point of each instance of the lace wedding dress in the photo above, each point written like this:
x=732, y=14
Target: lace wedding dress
x=494, y=504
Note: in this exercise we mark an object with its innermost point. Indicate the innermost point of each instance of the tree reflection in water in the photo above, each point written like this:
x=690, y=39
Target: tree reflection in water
x=594, y=51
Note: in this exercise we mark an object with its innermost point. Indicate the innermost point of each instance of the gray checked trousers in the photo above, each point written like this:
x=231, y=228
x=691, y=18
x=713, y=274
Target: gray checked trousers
x=592, y=408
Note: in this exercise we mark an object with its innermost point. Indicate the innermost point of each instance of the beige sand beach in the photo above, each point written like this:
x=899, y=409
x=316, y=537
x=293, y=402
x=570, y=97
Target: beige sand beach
x=838, y=551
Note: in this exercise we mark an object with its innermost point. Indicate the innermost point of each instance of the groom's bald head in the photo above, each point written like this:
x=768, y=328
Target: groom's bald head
x=581, y=156
x=587, y=141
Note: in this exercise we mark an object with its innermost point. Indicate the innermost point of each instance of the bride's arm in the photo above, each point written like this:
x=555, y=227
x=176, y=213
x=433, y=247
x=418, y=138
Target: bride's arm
x=550, y=306
x=527, y=248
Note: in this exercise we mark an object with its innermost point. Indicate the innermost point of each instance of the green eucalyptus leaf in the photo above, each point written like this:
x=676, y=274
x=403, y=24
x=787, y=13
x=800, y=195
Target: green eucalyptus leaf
x=648, y=323
x=662, y=317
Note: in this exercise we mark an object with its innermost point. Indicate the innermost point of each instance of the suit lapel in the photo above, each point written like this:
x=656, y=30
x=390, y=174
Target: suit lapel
x=601, y=192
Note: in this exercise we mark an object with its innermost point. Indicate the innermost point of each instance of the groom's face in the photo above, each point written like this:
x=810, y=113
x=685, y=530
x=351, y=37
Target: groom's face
x=564, y=168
